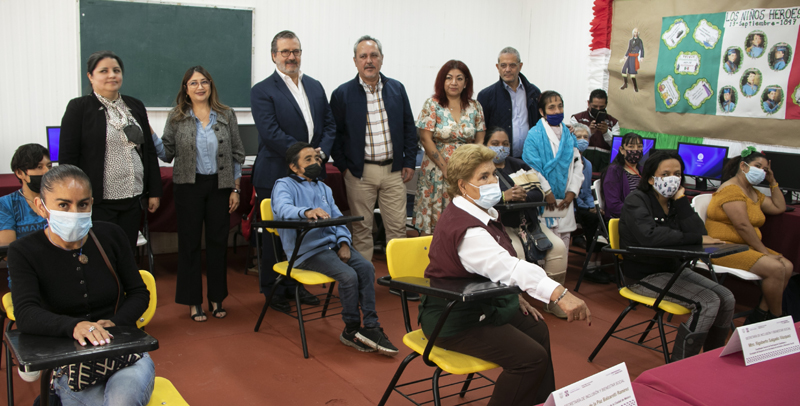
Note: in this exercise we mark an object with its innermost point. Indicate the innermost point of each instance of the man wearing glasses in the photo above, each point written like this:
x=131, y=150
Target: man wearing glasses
x=512, y=102
x=288, y=106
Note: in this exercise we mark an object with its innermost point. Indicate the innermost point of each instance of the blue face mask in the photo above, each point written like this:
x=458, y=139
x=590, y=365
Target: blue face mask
x=502, y=153
x=69, y=226
x=490, y=195
x=555, y=119
x=756, y=175
x=582, y=145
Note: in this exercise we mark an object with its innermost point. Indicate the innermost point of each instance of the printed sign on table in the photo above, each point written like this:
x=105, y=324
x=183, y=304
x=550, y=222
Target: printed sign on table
x=611, y=387
x=764, y=341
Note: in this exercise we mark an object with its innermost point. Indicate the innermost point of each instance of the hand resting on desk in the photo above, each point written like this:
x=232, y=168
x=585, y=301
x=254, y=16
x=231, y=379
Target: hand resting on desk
x=711, y=240
x=317, y=213
x=95, y=333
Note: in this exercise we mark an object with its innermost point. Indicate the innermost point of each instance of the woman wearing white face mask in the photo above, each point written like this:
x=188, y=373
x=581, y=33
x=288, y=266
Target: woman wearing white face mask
x=52, y=299
x=657, y=214
x=735, y=214
x=469, y=241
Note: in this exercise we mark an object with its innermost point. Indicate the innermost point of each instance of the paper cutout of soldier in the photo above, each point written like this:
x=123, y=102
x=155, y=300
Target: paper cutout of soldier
x=633, y=56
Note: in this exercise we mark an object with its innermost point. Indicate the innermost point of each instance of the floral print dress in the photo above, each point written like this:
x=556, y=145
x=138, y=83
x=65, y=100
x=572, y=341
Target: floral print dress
x=448, y=135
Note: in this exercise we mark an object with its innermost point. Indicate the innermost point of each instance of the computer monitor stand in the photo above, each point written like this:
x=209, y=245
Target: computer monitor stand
x=701, y=184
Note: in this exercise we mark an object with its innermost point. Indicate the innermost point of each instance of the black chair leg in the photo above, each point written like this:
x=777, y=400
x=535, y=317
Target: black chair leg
x=267, y=302
x=649, y=326
x=611, y=330
x=328, y=300
x=300, y=319
x=589, y=252
x=466, y=385
x=9, y=373
x=664, y=348
x=396, y=377
x=437, y=398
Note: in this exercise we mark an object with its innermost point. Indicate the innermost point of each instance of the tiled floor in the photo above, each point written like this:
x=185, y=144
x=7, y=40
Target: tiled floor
x=223, y=362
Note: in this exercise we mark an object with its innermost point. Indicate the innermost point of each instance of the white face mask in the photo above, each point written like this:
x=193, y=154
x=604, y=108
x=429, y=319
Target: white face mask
x=667, y=186
x=69, y=226
x=490, y=195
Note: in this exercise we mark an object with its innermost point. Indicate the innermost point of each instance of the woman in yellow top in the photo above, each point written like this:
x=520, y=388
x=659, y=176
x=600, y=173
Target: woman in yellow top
x=735, y=214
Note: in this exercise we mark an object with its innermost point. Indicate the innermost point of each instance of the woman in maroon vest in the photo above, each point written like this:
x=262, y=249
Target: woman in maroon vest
x=469, y=242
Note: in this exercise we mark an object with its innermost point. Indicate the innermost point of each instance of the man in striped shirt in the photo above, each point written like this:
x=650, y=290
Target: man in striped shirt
x=375, y=145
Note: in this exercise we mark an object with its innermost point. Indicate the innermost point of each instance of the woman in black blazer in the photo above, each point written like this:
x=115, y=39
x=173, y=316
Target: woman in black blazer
x=103, y=133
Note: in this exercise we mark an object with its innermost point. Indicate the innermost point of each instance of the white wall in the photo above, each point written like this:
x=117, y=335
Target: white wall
x=40, y=70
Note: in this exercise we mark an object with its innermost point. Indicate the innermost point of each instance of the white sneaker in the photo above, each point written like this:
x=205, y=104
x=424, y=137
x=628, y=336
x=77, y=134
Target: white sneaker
x=555, y=310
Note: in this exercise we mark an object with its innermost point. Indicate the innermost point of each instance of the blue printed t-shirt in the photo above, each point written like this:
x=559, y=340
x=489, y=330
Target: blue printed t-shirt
x=17, y=215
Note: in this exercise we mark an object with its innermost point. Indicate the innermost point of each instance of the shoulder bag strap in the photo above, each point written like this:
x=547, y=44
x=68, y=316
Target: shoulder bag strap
x=108, y=264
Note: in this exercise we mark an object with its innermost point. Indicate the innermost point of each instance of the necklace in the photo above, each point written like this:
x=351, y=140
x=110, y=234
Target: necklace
x=82, y=258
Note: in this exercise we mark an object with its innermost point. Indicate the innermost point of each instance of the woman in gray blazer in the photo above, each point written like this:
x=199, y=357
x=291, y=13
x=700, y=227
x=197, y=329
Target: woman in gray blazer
x=202, y=135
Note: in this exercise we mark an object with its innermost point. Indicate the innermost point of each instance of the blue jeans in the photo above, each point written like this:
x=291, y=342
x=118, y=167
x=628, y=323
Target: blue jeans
x=130, y=386
x=356, y=281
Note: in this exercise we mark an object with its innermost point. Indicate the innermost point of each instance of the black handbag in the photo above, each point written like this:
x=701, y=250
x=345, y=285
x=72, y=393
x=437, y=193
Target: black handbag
x=534, y=242
x=88, y=373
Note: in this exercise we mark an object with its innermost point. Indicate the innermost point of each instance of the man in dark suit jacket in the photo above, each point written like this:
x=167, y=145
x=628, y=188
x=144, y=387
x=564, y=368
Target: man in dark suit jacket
x=376, y=145
x=512, y=102
x=287, y=107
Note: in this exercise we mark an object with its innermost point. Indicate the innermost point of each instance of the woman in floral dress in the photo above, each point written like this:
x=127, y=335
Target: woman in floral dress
x=448, y=119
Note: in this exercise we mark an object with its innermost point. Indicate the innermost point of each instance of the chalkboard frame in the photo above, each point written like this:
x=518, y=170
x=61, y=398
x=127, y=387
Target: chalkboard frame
x=156, y=81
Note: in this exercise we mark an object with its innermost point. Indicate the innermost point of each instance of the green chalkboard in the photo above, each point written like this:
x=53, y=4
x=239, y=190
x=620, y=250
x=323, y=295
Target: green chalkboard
x=159, y=42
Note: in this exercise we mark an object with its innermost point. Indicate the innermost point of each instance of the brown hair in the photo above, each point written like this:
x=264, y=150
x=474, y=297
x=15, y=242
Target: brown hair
x=462, y=165
x=184, y=103
x=439, y=93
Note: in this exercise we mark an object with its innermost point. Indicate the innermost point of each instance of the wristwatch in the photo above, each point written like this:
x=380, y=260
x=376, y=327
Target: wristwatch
x=237, y=191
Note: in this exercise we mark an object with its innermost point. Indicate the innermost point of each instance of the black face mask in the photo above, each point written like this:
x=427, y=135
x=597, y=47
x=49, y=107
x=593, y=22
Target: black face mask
x=312, y=171
x=594, y=112
x=35, y=185
x=633, y=157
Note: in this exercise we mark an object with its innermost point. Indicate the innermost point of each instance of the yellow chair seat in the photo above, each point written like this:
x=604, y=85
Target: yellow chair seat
x=8, y=305
x=164, y=393
x=665, y=305
x=450, y=361
x=303, y=276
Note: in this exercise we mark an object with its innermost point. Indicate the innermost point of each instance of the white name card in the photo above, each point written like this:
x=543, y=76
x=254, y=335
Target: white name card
x=611, y=387
x=764, y=341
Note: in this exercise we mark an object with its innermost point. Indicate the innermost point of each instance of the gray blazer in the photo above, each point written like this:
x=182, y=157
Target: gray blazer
x=180, y=143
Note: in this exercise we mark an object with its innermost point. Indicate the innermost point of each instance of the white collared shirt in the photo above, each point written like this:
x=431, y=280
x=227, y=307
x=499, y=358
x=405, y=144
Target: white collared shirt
x=481, y=254
x=299, y=93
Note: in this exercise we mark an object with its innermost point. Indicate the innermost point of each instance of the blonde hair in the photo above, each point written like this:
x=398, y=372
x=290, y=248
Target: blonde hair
x=463, y=163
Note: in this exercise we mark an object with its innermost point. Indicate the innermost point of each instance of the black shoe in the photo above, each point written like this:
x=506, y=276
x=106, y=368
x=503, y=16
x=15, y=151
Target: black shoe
x=377, y=339
x=410, y=296
x=349, y=339
x=280, y=304
x=597, y=276
x=579, y=242
x=306, y=297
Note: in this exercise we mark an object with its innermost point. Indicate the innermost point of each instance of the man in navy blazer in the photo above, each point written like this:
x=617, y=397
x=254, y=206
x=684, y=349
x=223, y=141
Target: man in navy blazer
x=287, y=107
x=375, y=146
x=512, y=102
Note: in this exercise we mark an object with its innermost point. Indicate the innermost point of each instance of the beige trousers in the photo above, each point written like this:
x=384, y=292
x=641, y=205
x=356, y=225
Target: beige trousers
x=387, y=187
x=555, y=262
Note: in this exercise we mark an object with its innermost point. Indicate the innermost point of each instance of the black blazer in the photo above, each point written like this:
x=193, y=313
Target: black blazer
x=496, y=103
x=83, y=142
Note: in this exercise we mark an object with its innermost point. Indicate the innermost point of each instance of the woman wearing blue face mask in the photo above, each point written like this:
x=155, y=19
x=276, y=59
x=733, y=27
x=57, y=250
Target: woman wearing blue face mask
x=586, y=212
x=554, y=260
x=52, y=299
x=657, y=214
x=736, y=212
x=550, y=150
x=469, y=241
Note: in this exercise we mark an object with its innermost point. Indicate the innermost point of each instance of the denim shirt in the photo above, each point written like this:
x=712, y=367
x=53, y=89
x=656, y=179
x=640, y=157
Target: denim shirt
x=208, y=146
x=585, y=199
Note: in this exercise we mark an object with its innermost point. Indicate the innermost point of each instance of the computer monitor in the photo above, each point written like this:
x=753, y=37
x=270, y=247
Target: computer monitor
x=703, y=161
x=249, y=135
x=784, y=165
x=53, y=134
x=648, y=144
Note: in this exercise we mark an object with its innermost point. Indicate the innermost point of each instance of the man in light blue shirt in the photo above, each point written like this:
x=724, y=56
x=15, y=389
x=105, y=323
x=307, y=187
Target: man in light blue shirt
x=519, y=115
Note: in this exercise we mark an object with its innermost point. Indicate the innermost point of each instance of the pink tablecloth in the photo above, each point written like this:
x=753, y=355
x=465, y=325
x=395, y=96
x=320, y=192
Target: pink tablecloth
x=708, y=379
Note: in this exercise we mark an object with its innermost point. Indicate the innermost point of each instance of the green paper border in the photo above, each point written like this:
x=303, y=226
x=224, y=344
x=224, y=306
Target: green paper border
x=692, y=87
x=791, y=96
x=699, y=59
x=719, y=38
x=679, y=39
x=663, y=98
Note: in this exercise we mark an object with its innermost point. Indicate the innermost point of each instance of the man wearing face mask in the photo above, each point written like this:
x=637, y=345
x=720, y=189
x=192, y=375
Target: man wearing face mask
x=328, y=250
x=603, y=128
x=18, y=216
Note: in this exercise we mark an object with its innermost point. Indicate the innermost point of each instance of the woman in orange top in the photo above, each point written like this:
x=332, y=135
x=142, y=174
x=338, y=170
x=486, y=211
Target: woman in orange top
x=735, y=214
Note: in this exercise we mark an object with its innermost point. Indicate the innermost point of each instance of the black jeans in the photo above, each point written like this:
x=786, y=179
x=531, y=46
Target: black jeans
x=522, y=348
x=588, y=221
x=196, y=204
x=126, y=213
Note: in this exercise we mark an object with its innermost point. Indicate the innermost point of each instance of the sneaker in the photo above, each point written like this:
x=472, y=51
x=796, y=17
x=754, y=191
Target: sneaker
x=595, y=275
x=377, y=339
x=350, y=339
x=555, y=310
x=410, y=296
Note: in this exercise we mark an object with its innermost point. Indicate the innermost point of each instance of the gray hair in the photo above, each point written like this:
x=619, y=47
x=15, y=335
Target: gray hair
x=509, y=50
x=63, y=173
x=579, y=126
x=367, y=38
x=286, y=34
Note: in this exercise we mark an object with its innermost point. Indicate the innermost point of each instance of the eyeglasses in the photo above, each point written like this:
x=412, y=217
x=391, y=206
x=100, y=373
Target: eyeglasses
x=195, y=83
x=508, y=65
x=285, y=53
